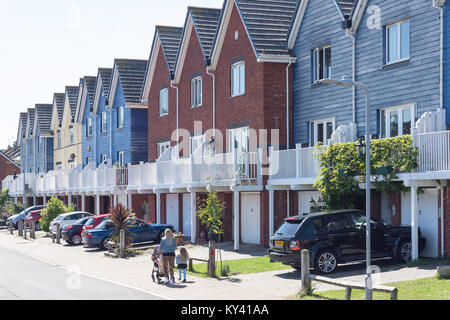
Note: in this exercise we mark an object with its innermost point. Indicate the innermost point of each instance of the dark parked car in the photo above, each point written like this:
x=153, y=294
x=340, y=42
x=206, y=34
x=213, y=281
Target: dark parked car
x=335, y=237
x=139, y=230
x=72, y=233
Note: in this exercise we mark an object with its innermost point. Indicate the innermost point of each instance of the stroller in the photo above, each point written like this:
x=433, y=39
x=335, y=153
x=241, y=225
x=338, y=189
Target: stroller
x=157, y=271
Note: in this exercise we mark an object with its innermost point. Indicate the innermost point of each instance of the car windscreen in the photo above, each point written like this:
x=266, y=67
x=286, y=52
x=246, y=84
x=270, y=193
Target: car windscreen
x=289, y=228
x=81, y=221
x=106, y=224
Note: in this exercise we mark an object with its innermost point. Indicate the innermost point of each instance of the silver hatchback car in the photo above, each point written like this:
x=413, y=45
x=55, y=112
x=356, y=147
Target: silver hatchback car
x=67, y=219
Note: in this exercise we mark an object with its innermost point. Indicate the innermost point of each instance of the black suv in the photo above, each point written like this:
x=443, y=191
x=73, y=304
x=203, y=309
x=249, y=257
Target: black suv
x=334, y=237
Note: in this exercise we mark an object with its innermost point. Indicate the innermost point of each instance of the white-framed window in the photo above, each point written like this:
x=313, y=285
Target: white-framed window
x=196, y=142
x=162, y=147
x=103, y=122
x=397, y=121
x=120, y=117
x=398, y=42
x=238, y=79
x=71, y=136
x=321, y=63
x=321, y=131
x=238, y=138
x=121, y=158
x=196, y=92
x=88, y=127
x=164, y=102
x=103, y=158
x=58, y=139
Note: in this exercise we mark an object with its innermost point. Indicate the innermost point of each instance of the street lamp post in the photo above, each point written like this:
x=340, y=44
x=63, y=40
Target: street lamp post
x=349, y=83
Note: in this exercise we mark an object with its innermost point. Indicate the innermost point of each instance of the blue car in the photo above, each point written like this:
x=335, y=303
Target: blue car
x=140, y=231
x=21, y=216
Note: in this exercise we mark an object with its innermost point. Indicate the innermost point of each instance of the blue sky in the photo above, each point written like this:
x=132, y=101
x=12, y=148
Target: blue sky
x=48, y=44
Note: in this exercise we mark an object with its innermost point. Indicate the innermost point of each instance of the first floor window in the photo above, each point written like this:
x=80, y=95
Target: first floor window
x=164, y=102
x=121, y=158
x=120, y=117
x=398, y=42
x=238, y=79
x=196, y=92
x=238, y=139
x=196, y=142
x=162, y=147
x=103, y=124
x=397, y=121
x=321, y=64
x=321, y=131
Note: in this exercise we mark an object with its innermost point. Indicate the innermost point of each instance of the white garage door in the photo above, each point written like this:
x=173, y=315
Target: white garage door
x=172, y=211
x=428, y=219
x=304, y=197
x=250, y=218
x=187, y=215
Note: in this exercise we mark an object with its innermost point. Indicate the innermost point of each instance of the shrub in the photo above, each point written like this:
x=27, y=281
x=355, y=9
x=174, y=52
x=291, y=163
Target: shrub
x=54, y=208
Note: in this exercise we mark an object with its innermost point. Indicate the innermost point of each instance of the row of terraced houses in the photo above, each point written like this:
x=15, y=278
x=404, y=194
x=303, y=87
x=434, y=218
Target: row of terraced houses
x=233, y=101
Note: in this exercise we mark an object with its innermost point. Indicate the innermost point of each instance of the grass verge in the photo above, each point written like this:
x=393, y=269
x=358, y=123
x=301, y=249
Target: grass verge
x=241, y=266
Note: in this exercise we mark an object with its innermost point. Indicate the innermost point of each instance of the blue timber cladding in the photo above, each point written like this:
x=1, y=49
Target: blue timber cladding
x=416, y=81
x=447, y=60
x=132, y=138
x=100, y=105
x=43, y=139
x=88, y=142
x=321, y=26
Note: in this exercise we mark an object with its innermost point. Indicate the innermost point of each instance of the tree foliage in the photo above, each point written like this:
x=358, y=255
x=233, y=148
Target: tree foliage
x=54, y=208
x=340, y=163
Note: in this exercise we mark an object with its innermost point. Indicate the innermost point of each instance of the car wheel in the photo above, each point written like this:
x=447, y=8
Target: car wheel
x=76, y=239
x=105, y=243
x=325, y=262
x=405, y=252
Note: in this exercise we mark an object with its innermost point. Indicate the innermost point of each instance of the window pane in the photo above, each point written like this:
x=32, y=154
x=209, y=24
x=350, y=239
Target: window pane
x=406, y=115
x=314, y=66
x=394, y=123
x=405, y=40
x=320, y=133
x=393, y=43
x=321, y=64
x=312, y=141
x=327, y=71
x=242, y=79
x=383, y=123
x=329, y=130
x=235, y=81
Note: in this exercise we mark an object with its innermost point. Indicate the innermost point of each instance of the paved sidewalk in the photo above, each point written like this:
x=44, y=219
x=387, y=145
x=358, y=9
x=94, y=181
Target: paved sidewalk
x=135, y=272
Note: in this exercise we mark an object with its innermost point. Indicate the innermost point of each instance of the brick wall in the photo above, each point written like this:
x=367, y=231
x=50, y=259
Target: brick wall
x=7, y=169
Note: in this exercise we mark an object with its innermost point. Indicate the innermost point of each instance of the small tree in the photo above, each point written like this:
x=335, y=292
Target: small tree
x=210, y=213
x=54, y=208
x=121, y=217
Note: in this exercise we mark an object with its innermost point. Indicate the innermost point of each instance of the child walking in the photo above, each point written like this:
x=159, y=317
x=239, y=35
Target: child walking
x=182, y=261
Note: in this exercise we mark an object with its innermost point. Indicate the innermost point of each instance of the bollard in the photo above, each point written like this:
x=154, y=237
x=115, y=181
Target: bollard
x=20, y=228
x=121, y=243
x=58, y=233
x=212, y=258
x=24, y=229
x=11, y=228
x=33, y=230
x=306, y=282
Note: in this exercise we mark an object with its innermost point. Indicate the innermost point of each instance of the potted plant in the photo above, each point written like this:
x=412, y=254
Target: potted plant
x=179, y=237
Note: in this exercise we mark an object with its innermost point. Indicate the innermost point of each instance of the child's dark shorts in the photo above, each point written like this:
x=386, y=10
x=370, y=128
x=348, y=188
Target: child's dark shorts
x=182, y=266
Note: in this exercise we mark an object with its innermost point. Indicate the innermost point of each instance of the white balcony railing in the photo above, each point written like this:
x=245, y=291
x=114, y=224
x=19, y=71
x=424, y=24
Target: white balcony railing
x=434, y=151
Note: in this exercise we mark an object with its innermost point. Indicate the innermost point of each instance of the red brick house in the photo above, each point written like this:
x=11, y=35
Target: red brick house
x=8, y=167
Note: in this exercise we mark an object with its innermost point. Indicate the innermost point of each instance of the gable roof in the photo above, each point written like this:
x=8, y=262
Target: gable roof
x=72, y=96
x=30, y=122
x=58, y=100
x=170, y=38
x=346, y=8
x=204, y=21
x=22, y=127
x=90, y=83
x=103, y=82
x=86, y=94
x=43, y=118
x=8, y=157
x=267, y=23
x=131, y=74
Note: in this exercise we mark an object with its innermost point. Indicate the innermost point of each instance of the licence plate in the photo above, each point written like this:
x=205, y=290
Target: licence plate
x=279, y=244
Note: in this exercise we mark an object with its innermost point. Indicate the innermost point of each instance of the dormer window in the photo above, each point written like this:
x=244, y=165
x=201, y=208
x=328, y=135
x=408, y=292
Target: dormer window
x=164, y=102
x=196, y=92
x=71, y=136
x=89, y=127
x=238, y=79
x=103, y=123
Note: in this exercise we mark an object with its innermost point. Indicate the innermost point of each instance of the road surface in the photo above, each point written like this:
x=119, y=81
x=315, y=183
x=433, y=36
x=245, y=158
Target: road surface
x=26, y=278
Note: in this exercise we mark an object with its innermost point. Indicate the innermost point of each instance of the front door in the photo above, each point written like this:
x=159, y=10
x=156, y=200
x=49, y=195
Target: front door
x=187, y=215
x=172, y=211
x=250, y=218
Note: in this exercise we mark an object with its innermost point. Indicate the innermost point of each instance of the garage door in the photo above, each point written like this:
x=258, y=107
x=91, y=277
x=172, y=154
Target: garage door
x=172, y=211
x=304, y=197
x=250, y=218
x=428, y=219
x=187, y=215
